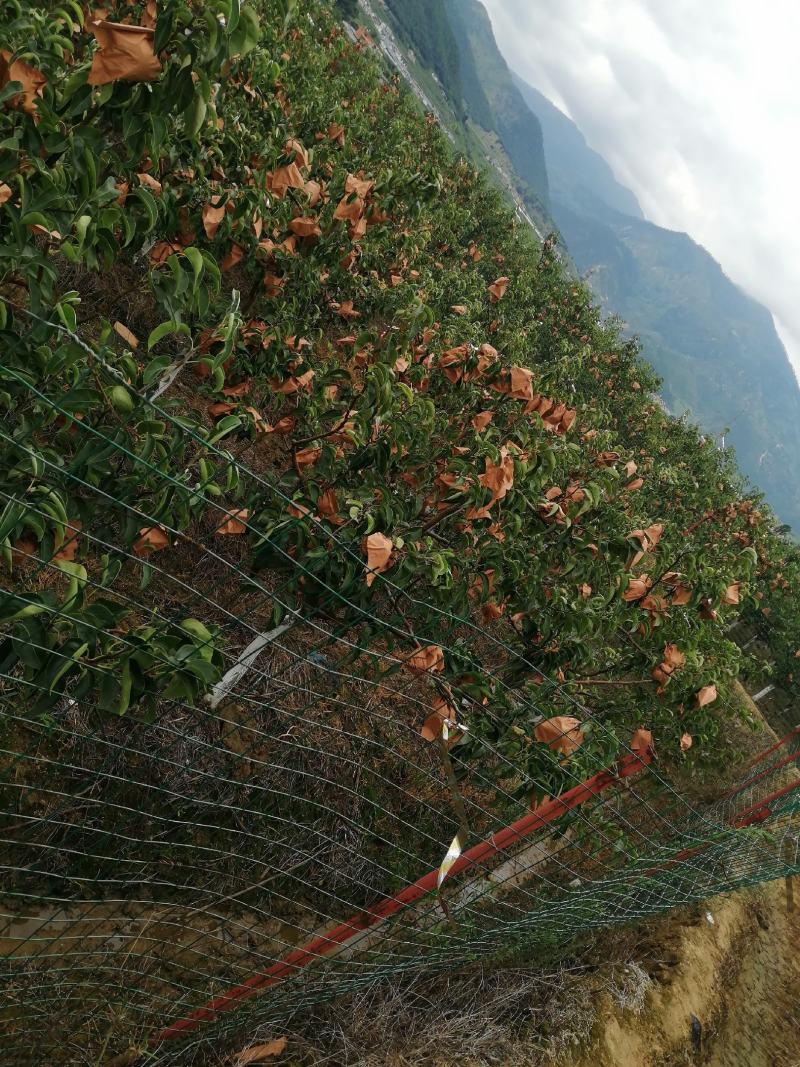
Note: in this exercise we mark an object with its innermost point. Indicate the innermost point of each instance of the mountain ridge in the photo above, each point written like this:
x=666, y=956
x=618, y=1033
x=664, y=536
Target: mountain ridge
x=517, y=126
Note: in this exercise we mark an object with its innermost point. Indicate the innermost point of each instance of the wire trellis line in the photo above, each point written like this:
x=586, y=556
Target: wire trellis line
x=276, y=830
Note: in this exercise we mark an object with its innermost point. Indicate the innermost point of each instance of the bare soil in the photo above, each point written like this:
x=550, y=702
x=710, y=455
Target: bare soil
x=738, y=976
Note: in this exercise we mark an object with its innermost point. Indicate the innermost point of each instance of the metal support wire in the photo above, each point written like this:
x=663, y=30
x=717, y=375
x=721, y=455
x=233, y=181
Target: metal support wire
x=284, y=833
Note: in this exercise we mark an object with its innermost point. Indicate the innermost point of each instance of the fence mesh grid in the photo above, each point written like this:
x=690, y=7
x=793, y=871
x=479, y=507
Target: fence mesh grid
x=189, y=874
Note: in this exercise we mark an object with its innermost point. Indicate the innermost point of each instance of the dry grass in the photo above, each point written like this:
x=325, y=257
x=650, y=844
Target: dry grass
x=630, y=986
x=518, y=1017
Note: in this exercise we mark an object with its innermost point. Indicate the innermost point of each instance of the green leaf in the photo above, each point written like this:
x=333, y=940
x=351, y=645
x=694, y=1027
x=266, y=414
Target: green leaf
x=164, y=24
x=164, y=329
x=195, y=115
x=81, y=228
x=10, y=517
x=36, y=218
x=68, y=664
x=75, y=6
x=67, y=315
x=247, y=33
x=201, y=635
x=233, y=16
x=212, y=269
x=16, y=608
x=195, y=257
x=126, y=681
x=226, y=425
x=149, y=202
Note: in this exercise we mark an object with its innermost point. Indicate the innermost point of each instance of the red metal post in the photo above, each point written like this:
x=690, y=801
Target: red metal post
x=324, y=944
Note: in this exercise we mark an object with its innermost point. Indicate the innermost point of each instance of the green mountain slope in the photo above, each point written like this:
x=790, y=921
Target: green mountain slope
x=491, y=94
x=436, y=45
x=716, y=348
x=425, y=49
x=449, y=57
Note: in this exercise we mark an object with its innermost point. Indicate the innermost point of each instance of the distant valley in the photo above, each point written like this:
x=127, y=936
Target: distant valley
x=716, y=349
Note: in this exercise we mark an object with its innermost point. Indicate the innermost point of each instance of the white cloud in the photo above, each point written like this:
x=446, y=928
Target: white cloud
x=696, y=106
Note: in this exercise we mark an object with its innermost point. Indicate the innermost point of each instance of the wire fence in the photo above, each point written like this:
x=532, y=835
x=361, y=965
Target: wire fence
x=230, y=811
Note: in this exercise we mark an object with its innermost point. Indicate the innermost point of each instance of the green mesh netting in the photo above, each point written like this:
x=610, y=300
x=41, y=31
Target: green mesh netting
x=158, y=859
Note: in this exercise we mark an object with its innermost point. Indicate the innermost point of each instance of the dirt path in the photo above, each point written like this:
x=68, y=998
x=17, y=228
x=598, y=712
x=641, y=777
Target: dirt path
x=759, y=1020
x=739, y=977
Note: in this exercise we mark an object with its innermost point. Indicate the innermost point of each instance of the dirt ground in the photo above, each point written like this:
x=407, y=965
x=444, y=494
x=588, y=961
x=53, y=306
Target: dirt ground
x=738, y=977
x=725, y=993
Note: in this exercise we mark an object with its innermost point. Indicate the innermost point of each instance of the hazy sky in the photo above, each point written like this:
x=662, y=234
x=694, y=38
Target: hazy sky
x=695, y=104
